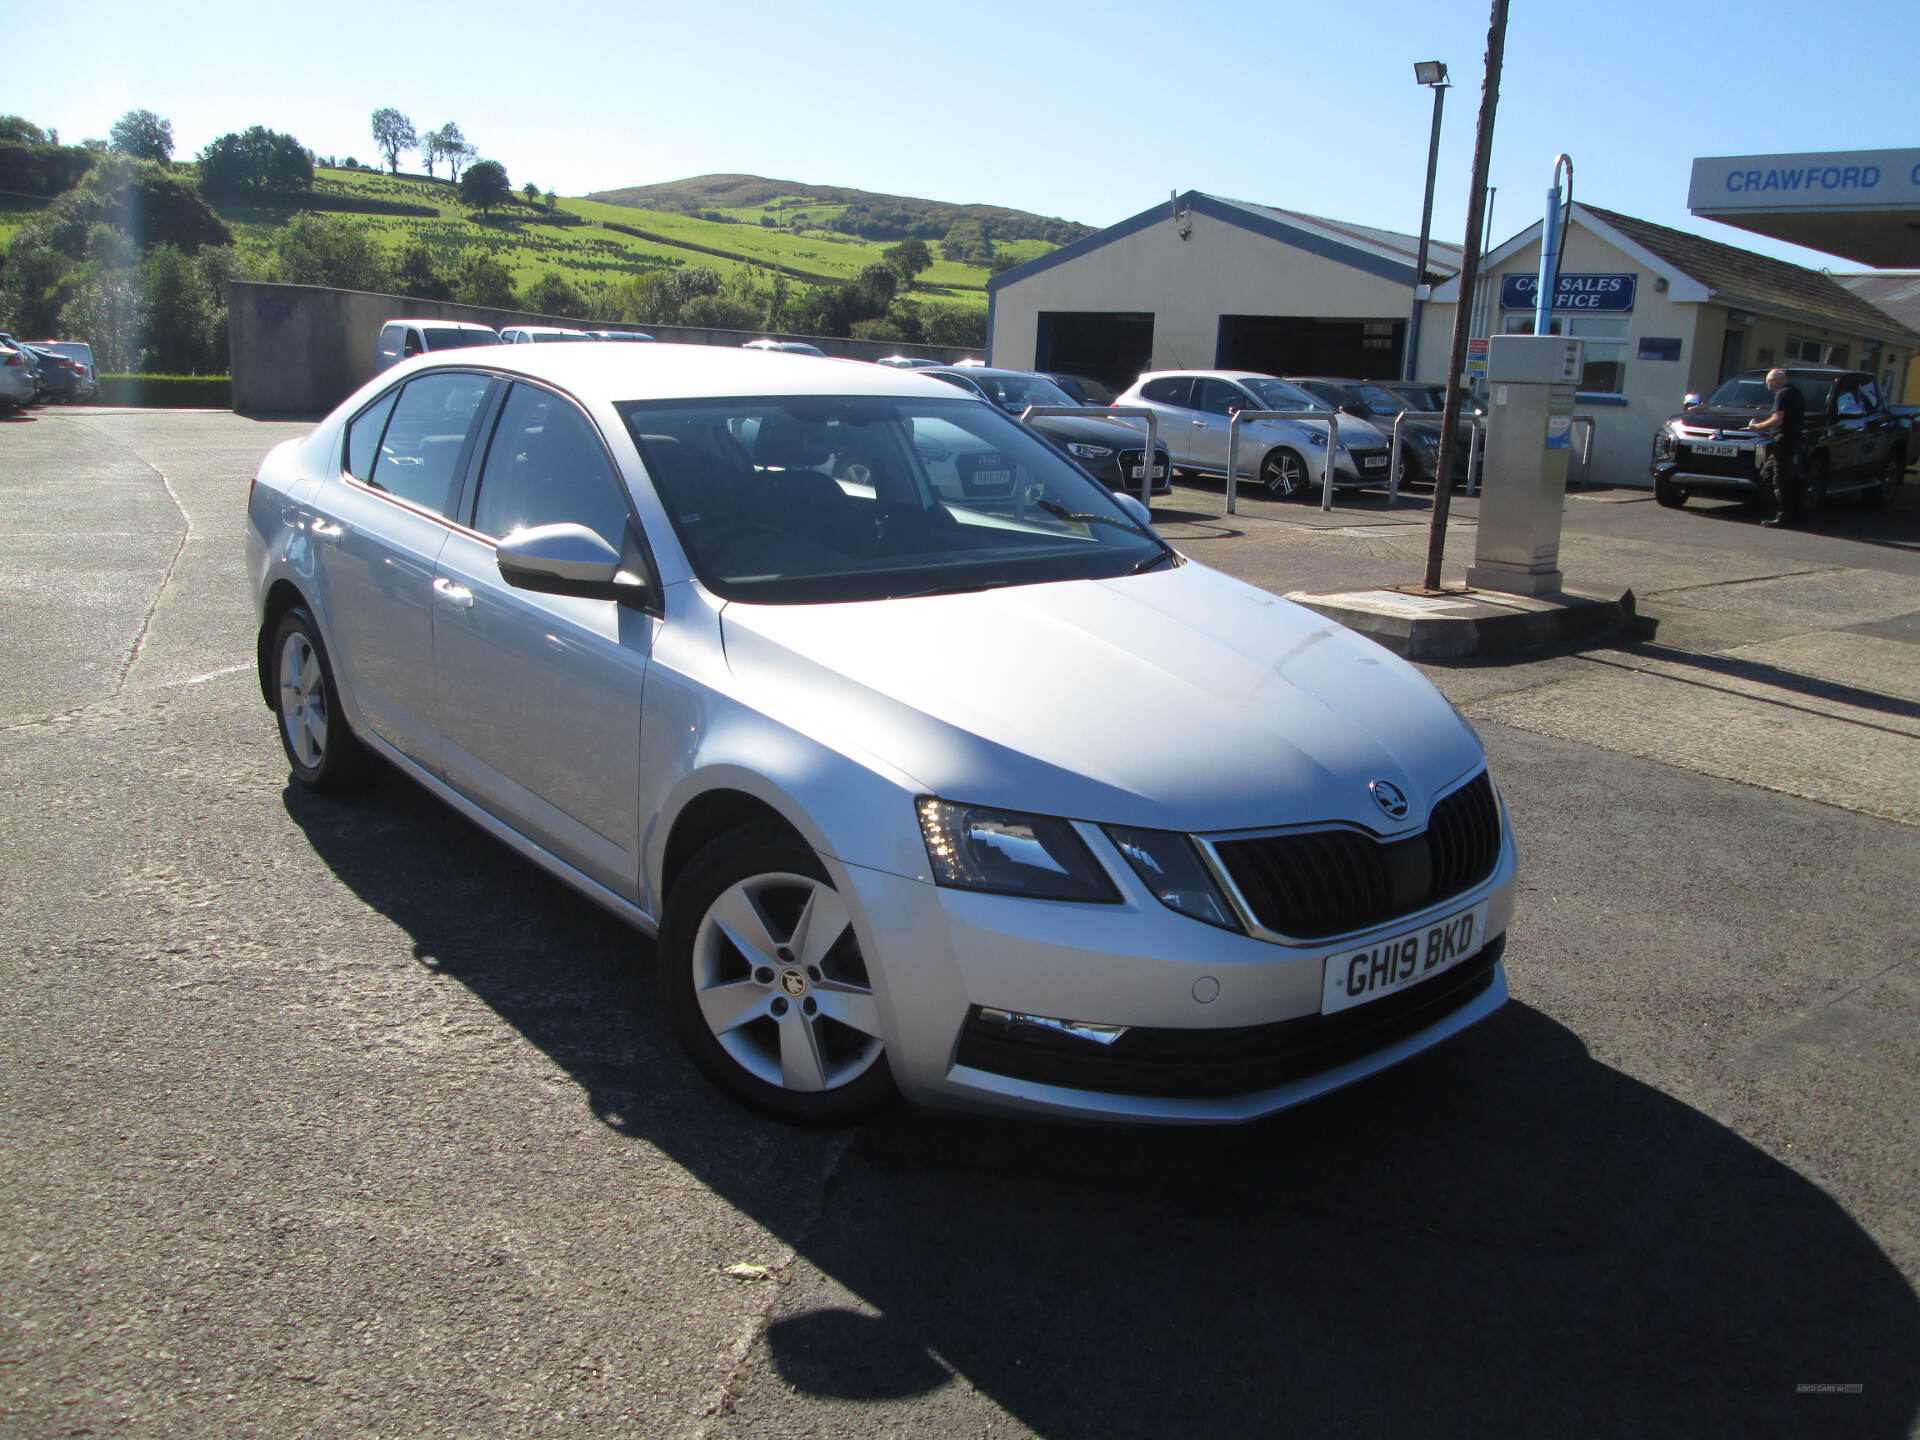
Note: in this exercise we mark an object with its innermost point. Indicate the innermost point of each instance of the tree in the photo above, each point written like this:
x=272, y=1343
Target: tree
x=448, y=144
x=149, y=205
x=176, y=315
x=418, y=274
x=18, y=130
x=255, y=164
x=485, y=281
x=485, y=184
x=143, y=135
x=532, y=192
x=328, y=250
x=458, y=157
x=393, y=133
x=552, y=295
x=907, y=259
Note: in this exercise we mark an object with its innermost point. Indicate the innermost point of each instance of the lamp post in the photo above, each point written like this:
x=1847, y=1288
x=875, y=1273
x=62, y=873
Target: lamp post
x=1432, y=73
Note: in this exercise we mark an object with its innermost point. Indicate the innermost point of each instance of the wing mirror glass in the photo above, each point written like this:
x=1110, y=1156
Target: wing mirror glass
x=1692, y=401
x=566, y=559
x=1136, y=512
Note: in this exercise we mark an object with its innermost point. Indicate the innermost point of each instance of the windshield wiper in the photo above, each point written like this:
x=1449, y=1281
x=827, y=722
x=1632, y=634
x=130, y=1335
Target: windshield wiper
x=1153, y=562
x=1060, y=512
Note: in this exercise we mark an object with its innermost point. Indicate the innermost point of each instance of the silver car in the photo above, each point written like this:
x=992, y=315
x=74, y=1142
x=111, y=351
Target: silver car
x=930, y=766
x=1287, y=457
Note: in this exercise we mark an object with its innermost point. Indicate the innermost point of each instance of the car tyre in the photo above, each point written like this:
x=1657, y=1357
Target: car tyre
x=1888, y=486
x=324, y=753
x=764, y=983
x=1813, y=493
x=1668, y=494
x=1285, y=475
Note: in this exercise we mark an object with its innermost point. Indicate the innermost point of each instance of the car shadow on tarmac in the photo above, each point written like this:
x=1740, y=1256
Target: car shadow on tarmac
x=1502, y=1237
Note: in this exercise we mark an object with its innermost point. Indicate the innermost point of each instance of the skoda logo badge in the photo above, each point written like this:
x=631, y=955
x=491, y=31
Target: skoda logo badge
x=1387, y=796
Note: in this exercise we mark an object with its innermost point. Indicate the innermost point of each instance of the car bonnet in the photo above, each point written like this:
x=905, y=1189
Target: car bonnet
x=1181, y=699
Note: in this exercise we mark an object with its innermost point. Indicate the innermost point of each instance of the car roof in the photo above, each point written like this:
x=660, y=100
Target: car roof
x=1207, y=375
x=668, y=371
x=435, y=324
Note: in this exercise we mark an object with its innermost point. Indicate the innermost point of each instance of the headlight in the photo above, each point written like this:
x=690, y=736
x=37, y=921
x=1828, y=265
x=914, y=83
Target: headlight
x=1426, y=439
x=1317, y=439
x=1088, y=452
x=1663, y=441
x=1167, y=865
x=973, y=847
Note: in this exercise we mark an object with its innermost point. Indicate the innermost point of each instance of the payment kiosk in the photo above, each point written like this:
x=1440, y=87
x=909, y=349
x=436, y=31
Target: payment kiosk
x=1531, y=384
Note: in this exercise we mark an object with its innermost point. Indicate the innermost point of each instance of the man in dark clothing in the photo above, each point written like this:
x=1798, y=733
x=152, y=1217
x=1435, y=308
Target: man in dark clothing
x=1780, y=470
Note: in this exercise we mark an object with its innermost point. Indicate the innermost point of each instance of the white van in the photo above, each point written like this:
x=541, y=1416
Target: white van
x=404, y=339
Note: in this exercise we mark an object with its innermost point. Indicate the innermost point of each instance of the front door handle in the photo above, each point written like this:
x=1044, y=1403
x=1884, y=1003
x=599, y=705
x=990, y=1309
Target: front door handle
x=457, y=596
x=327, y=534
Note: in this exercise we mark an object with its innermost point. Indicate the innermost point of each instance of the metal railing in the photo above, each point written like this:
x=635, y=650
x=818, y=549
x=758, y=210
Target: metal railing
x=1586, y=450
x=1393, y=475
x=1331, y=419
x=1148, y=460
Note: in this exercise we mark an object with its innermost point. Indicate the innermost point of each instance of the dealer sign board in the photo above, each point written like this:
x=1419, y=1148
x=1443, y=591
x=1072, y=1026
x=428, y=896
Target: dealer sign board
x=1844, y=180
x=1612, y=293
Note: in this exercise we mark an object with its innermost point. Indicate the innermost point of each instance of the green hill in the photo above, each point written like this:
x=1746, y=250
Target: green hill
x=789, y=204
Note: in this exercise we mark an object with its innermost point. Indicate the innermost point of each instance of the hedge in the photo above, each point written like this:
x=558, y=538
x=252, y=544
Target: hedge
x=167, y=392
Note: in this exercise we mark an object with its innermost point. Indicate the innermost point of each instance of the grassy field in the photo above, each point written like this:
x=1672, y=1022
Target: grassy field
x=580, y=243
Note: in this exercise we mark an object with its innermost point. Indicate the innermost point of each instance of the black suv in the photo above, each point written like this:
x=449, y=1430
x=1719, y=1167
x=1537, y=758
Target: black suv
x=1851, y=441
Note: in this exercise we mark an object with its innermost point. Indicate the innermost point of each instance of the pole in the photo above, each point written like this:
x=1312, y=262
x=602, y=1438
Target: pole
x=1412, y=346
x=1469, y=274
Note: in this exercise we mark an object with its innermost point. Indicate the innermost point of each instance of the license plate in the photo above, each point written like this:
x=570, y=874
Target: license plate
x=1159, y=472
x=1375, y=462
x=1727, y=450
x=1356, y=976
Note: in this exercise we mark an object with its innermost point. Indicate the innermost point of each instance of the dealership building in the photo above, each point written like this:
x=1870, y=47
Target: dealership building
x=1207, y=282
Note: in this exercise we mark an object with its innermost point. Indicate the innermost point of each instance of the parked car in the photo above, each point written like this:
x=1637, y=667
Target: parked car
x=79, y=362
x=618, y=335
x=1108, y=450
x=1084, y=388
x=923, y=757
x=541, y=334
x=404, y=339
x=1851, y=443
x=18, y=376
x=785, y=347
x=1288, y=457
x=56, y=378
x=1379, y=407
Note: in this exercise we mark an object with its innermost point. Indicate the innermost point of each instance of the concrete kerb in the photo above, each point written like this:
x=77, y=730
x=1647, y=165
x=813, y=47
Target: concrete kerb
x=1458, y=624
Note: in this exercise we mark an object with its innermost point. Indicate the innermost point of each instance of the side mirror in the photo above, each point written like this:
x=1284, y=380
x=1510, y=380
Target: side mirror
x=1136, y=512
x=566, y=559
x=1692, y=400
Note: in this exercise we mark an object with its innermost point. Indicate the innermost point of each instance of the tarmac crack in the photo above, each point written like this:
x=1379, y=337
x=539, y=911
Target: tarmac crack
x=1748, y=580
x=727, y=1390
x=173, y=561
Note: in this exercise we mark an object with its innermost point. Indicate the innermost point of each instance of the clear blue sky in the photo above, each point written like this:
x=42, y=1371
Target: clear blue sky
x=1092, y=113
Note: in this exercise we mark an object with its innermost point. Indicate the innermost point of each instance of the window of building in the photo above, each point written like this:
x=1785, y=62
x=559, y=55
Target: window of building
x=1802, y=350
x=1604, y=360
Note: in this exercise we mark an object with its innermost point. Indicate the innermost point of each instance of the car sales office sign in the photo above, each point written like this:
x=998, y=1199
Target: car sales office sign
x=1609, y=293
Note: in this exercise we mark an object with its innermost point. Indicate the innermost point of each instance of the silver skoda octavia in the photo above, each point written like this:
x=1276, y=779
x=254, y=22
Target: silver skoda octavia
x=932, y=769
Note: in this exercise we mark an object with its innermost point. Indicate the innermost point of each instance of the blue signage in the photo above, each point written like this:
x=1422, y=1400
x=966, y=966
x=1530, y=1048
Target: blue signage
x=1573, y=292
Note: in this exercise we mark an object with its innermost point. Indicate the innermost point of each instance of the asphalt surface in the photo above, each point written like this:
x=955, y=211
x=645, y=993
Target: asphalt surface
x=334, y=1118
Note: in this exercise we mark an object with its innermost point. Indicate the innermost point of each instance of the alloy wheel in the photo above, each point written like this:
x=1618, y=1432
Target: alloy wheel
x=303, y=701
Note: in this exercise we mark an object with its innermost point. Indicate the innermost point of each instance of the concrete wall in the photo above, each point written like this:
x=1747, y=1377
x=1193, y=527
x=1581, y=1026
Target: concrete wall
x=1187, y=285
x=1654, y=389
x=301, y=349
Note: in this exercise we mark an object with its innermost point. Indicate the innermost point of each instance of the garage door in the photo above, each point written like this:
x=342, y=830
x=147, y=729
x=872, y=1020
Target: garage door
x=1303, y=345
x=1113, y=346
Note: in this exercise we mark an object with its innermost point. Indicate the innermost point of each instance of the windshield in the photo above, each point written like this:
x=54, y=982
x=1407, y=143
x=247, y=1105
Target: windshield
x=810, y=500
x=1378, y=397
x=1279, y=395
x=1749, y=392
x=1014, y=393
x=459, y=339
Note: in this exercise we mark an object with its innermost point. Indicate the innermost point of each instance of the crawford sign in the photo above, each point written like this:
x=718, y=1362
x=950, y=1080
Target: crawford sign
x=1573, y=292
x=1852, y=179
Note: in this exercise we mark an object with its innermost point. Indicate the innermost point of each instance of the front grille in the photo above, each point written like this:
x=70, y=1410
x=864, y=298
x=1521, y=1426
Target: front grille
x=1125, y=461
x=1328, y=882
x=1208, y=1064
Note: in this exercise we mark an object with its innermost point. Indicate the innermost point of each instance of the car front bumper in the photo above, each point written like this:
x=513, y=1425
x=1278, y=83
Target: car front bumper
x=1220, y=1027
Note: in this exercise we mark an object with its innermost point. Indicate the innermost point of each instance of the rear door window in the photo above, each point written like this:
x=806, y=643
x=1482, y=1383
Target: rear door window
x=425, y=437
x=1169, y=390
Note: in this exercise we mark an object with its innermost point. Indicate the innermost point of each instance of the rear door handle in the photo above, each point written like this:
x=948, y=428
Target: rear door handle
x=327, y=534
x=456, y=595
